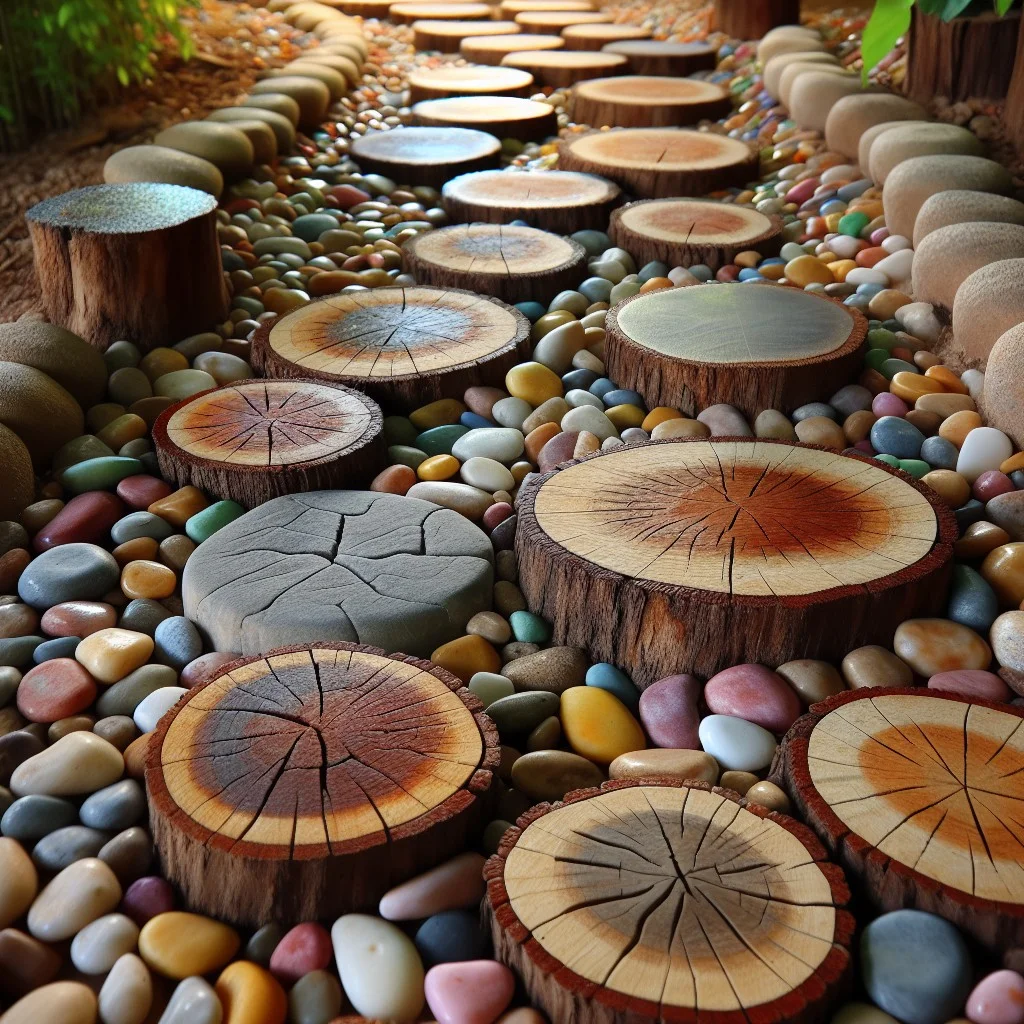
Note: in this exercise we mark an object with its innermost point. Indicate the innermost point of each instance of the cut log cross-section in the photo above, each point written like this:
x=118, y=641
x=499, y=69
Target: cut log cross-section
x=642, y=903
x=593, y=37
x=647, y=101
x=448, y=80
x=255, y=440
x=305, y=783
x=756, y=349
x=402, y=346
x=426, y=156
x=505, y=117
x=559, y=69
x=491, y=49
x=693, y=555
x=419, y=10
x=446, y=36
x=919, y=794
x=653, y=57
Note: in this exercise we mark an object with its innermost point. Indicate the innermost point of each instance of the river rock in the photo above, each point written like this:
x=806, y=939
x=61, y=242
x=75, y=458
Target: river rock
x=69, y=1002
x=25, y=963
x=81, y=893
x=972, y=683
x=126, y=695
x=100, y=944
x=668, y=710
x=178, y=944
x=251, y=995
x=112, y=654
x=451, y=936
x=983, y=449
x=725, y=421
x=177, y=642
x=68, y=573
x=154, y=706
x=19, y=881
x=31, y=817
x=453, y=885
x=736, y=744
x=163, y=164
x=554, y=669
x=470, y=992
x=78, y=618
x=1007, y=638
x=86, y=518
x=929, y=646
x=225, y=147
x=56, y=851
x=306, y=947
x=146, y=898
x=127, y=992
x=129, y=854
x=664, y=762
x=115, y=807
x=972, y=602
x=875, y=666
x=550, y=774
x=194, y=1002
x=997, y=999
x=315, y=998
x=77, y=763
x=754, y=693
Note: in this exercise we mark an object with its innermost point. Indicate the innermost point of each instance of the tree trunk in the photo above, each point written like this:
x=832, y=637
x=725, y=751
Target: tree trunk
x=1013, y=109
x=751, y=19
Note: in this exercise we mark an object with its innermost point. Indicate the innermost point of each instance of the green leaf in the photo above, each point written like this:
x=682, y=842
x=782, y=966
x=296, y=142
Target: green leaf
x=122, y=76
x=1002, y=6
x=64, y=13
x=889, y=20
x=954, y=8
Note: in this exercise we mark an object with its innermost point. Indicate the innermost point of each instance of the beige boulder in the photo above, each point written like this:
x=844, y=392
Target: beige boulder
x=68, y=359
x=957, y=206
x=905, y=141
x=867, y=140
x=771, y=77
x=259, y=133
x=788, y=39
x=334, y=80
x=160, y=163
x=42, y=413
x=225, y=147
x=1002, y=401
x=986, y=305
x=345, y=61
x=853, y=115
x=312, y=96
x=282, y=128
x=792, y=73
x=815, y=93
x=276, y=103
x=19, y=482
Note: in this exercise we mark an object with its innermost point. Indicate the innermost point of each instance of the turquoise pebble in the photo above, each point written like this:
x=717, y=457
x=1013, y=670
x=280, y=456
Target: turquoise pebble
x=597, y=289
x=206, y=523
x=100, y=474
x=311, y=226
x=653, y=269
x=399, y=430
x=529, y=628
x=533, y=311
x=405, y=455
x=608, y=677
x=439, y=440
x=595, y=242
x=915, y=467
x=889, y=460
x=891, y=367
x=702, y=272
x=853, y=224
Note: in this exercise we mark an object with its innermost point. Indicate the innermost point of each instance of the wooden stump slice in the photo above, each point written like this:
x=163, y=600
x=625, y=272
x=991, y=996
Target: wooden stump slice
x=407, y=13
x=558, y=69
x=594, y=37
x=440, y=83
x=403, y=346
x=515, y=264
x=684, y=232
x=255, y=440
x=447, y=36
x=563, y=201
x=425, y=156
x=305, y=783
x=138, y=260
x=555, y=21
x=647, y=101
x=754, y=348
x=653, y=57
x=491, y=49
x=690, y=556
x=510, y=8
x=658, y=162
x=363, y=8
x=648, y=902
x=918, y=793
x=505, y=117
x=743, y=20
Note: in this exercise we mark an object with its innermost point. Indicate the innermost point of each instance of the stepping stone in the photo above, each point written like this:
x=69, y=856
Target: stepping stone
x=1002, y=402
x=439, y=83
x=986, y=305
x=594, y=37
x=772, y=74
x=814, y=94
x=653, y=57
x=505, y=117
x=793, y=73
x=510, y=8
x=491, y=49
x=416, y=10
x=447, y=36
x=854, y=115
x=904, y=141
x=957, y=206
x=555, y=21
x=558, y=69
x=647, y=101
x=163, y=165
x=425, y=156
x=363, y=8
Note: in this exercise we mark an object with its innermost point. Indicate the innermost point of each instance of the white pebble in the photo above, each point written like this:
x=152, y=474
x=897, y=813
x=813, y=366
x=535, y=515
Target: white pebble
x=867, y=275
x=974, y=381
x=586, y=417
x=100, y=944
x=503, y=444
x=919, y=319
x=223, y=367
x=486, y=474
x=681, y=277
x=984, y=448
x=898, y=266
x=610, y=270
x=843, y=246
x=468, y=501
x=839, y=172
x=511, y=412
x=896, y=243
x=127, y=992
x=556, y=349
x=736, y=744
x=584, y=360
x=183, y=383
x=595, y=319
x=153, y=706
x=194, y=1002
x=578, y=398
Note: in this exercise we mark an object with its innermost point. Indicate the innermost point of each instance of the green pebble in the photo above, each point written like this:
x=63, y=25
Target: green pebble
x=529, y=628
x=595, y=242
x=490, y=686
x=252, y=306
x=853, y=224
x=624, y=290
x=405, y=455
x=915, y=467
x=440, y=440
x=879, y=337
x=889, y=460
x=310, y=226
x=100, y=474
x=203, y=525
x=399, y=430
x=891, y=367
x=876, y=358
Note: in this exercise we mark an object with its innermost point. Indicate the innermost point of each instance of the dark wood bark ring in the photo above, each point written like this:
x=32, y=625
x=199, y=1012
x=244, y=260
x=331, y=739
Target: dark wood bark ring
x=593, y=37
x=363, y=8
x=305, y=783
x=649, y=902
x=653, y=57
x=258, y=439
x=402, y=346
x=693, y=555
x=514, y=263
x=753, y=347
x=918, y=794
x=491, y=49
x=446, y=36
x=415, y=10
x=658, y=162
x=555, y=21
x=425, y=156
x=504, y=117
x=647, y=101
x=742, y=19
x=561, y=201
x=438, y=83
x=558, y=69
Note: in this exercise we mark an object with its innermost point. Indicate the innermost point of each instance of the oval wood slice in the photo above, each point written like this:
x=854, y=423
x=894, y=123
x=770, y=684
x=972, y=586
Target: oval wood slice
x=306, y=783
x=918, y=793
x=653, y=57
x=516, y=264
x=491, y=49
x=754, y=348
x=510, y=8
x=415, y=10
x=505, y=117
x=649, y=902
x=594, y=37
x=425, y=156
x=447, y=36
x=363, y=8
x=658, y=162
x=563, y=201
x=692, y=555
x=555, y=21
x=647, y=101
x=558, y=69
x=404, y=346
x=257, y=439
x=439, y=83
x=684, y=232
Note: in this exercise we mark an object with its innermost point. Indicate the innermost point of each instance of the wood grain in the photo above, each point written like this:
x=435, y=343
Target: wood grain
x=742, y=19
x=415, y=10
x=593, y=37
x=647, y=101
x=504, y=117
x=510, y=8
x=654, y=57
x=491, y=49
x=555, y=21
x=559, y=69
x=437, y=83
x=425, y=156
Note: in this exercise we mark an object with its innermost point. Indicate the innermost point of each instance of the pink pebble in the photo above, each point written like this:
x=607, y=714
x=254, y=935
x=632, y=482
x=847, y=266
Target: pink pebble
x=205, y=667
x=990, y=484
x=454, y=885
x=668, y=709
x=802, y=191
x=754, y=693
x=878, y=236
x=997, y=999
x=971, y=682
x=470, y=992
x=888, y=404
x=142, y=490
x=147, y=897
x=727, y=273
x=497, y=513
x=865, y=446
x=307, y=947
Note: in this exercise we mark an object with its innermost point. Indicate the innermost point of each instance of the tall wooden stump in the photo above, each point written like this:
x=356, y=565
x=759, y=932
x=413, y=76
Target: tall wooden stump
x=751, y=19
x=690, y=556
x=641, y=903
x=138, y=261
x=306, y=783
x=1013, y=109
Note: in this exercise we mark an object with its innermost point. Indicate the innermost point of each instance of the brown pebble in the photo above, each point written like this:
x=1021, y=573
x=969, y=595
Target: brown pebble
x=11, y=720
x=134, y=550
x=12, y=564
x=875, y=666
x=508, y=598
x=925, y=421
x=25, y=963
x=394, y=480
x=767, y=794
x=546, y=735
x=738, y=782
x=205, y=667
x=175, y=551
x=35, y=516
x=118, y=730
x=515, y=650
x=135, y=756
x=509, y=756
x=75, y=723
x=813, y=680
x=12, y=535
x=857, y=426
x=979, y=539
x=17, y=620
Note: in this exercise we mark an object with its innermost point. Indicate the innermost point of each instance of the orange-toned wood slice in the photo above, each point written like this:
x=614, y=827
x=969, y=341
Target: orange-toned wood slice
x=594, y=37
x=425, y=156
x=653, y=57
x=505, y=117
x=918, y=793
x=447, y=36
x=510, y=8
x=307, y=782
x=641, y=903
x=728, y=551
x=754, y=348
x=558, y=69
x=403, y=346
x=658, y=162
x=439, y=83
x=451, y=10
x=561, y=201
x=258, y=439
x=647, y=101
x=516, y=264
x=683, y=232
x=491, y=49
x=555, y=21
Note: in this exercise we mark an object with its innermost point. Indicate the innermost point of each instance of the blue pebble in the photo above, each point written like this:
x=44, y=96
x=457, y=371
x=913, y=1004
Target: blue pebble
x=579, y=379
x=471, y=420
x=622, y=396
x=1017, y=476
x=177, y=642
x=939, y=453
x=140, y=524
x=972, y=512
x=608, y=677
x=602, y=386
x=519, y=223
x=857, y=302
x=868, y=289
x=833, y=206
x=854, y=189
x=597, y=289
x=805, y=412
x=533, y=311
x=893, y=435
x=702, y=272
x=972, y=602
x=653, y=269
x=772, y=261
x=754, y=279
x=59, y=647
x=749, y=273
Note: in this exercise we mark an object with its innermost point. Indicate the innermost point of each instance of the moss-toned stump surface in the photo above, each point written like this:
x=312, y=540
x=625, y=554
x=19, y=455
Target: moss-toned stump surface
x=659, y=162
x=653, y=57
x=653, y=902
x=558, y=69
x=353, y=566
x=491, y=49
x=691, y=556
x=426, y=156
x=919, y=794
x=305, y=783
x=516, y=264
x=754, y=348
x=403, y=346
x=505, y=117
x=647, y=101
x=437, y=83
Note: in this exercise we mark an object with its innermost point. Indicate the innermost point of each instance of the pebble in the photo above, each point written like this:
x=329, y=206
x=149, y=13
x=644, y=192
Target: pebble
x=125, y=696
x=304, y=948
x=111, y=654
x=972, y=602
x=451, y=936
x=554, y=669
x=154, y=706
x=205, y=523
x=129, y=854
x=501, y=444
x=892, y=435
x=724, y=421
x=875, y=666
x=997, y=999
x=1007, y=638
x=468, y=501
x=470, y=992
x=178, y=944
x=76, y=764
x=54, y=690
x=811, y=679
x=984, y=448
x=754, y=693
x=68, y=573
x=193, y=1002
x=32, y=817
x=78, y=618
x=100, y=944
x=25, y=964
x=664, y=762
x=100, y=474
x=453, y=885
x=77, y=896
x=127, y=993
x=862, y=1013
x=1007, y=511
x=315, y=998
x=736, y=744
x=522, y=712
x=69, y=1002
x=550, y=774
x=668, y=710
x=19, y=881
x=147, y=897
x=115, y=807
x=597, y=725
x=57, y=850
x=85, y=519
x=608, y=677
x=251, y=995
x=929, y=646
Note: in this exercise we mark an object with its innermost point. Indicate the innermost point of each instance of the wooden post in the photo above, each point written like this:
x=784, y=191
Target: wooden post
x=751, y=19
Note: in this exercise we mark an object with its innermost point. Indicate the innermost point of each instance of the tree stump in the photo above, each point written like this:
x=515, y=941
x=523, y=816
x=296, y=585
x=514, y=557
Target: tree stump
x=138, y=260
x=753, y=347
x=510, y=8
x=692, y=555
x=563, y=201
x=1013, y=108
x=447, y=36
x=306, y=783
x=649, y=902
x=593, y=37
x=653, y=57
x=656, y=162
x=647, y=101
x=917, y=792
x=364, y=8
x=439, y=83
x=402, y=346
x=491, y=49
x=515, y=264
x=559, y=69
x=505, y=117
x=555, y=21
x=684, y=232
x=255, y=440
x=416, y=10
x=425, y=156
x=742, y=19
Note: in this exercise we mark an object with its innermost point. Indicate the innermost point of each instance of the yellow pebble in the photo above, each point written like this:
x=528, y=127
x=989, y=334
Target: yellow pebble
x=135, y=549
x=178, y=507
x=773, y=271
x=437, y=414
x=747, y=258
x=144, y=578
x=911, y=386
x=438, y=467
x=955, y=428
x=947, y=378
x=284, y=300
x=597, y=725
x=832, y=221
x=951, y=487
x=251, y=995
x=1012, y=464
x=625, y=416
x=840, y=268
x=520, y=471
x=178, y=945
x=548, y=322
x=826, y=257
x=654, y=284
x=466, y=656
x=659, y=414
x=159, y=361
x=110, y=654
x=681, y=427
x=117, y=433
x=533, y=383
x=805, y=270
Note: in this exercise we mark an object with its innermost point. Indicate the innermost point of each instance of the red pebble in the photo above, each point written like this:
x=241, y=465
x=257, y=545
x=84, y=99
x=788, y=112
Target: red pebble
x=142, y=490
x=727, y=273
x=558, y=450
x=205, y=667
x=307, y=947
x=147, y=897
x=754, y=693
x=56, y=689
x=85, y=519
x=348, y=196
x=497, y=513
x=394, y=480
x=991, y=484
x=973, y=682
x=78, y=618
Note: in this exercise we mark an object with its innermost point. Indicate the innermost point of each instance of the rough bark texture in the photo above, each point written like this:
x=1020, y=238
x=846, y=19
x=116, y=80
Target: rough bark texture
x=1013, y=109
x=690, y=556
x=650, y=902
x=751, y=19
x=305, y=783
x=504, y=117
x=559, y=69
x=647, y=101
x=653, y=57
x=426, y=156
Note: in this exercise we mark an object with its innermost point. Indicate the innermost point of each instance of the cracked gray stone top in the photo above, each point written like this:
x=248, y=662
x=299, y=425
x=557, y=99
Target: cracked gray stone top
x=394, y=572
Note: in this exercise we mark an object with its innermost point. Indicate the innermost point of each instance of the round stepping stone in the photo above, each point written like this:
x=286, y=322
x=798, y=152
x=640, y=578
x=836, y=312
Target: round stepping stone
x=510, y=8
x=957, y=206
x=416, y=10
x=986, y=305
x=505, y=117
x=516, y=264
x=787, y=39
x=594, y=37
x=558, y=69
x=902, y=142
x=653, y=902
x=653, y=57
x=425, y=156
x=918, y=789
x=868, y=136
x=1003, y=400
x=310, y=781
x=727, y=552
x=853, y=115
x=772, y=73
x=311, y=95
x=647, y=101
x=793, y=72
x=555, y=21
x=814, y=94
x=446, y=36
x=491, y=49
x=659, y=162
x=403, y=346
x=340, y=565
x=164, y=165
x=438, y=83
